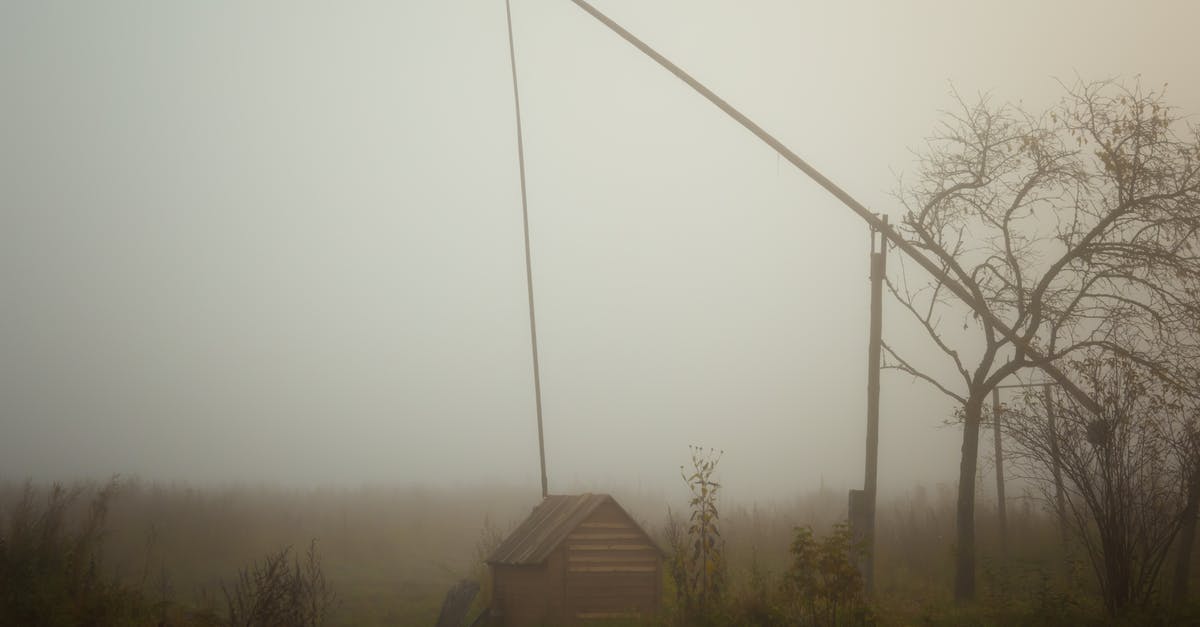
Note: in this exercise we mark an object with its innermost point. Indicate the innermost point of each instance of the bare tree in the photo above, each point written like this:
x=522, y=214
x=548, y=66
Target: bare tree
x=1189, y=450
x=1126, y=469
x=1077, y=228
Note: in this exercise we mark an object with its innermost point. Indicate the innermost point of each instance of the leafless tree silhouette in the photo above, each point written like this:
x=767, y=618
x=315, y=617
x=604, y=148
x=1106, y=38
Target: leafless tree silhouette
x=1127, y=470
x=1077, y=227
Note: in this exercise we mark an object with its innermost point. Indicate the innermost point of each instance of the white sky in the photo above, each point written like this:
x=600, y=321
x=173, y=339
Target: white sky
x=280, y=241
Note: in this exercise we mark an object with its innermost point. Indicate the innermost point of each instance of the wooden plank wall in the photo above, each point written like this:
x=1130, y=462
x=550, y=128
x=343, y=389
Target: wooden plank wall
x=520, y=594
x=612, y=569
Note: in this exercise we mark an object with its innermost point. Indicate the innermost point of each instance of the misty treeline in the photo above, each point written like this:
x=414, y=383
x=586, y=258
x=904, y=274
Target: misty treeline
x=1075, y=231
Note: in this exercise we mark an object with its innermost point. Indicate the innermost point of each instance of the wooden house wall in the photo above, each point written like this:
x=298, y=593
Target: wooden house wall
x=518, y=594
x=605, y=568
x=531, y=595
x=612, y=568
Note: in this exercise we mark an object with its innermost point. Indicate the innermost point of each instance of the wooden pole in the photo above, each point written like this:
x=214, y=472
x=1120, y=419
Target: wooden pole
x=537, y=371
x=1060, y=505
x=871, y=476
x=1002, y=509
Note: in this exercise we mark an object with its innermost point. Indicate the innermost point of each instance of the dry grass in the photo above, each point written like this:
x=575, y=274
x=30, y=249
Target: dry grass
x=390, y=553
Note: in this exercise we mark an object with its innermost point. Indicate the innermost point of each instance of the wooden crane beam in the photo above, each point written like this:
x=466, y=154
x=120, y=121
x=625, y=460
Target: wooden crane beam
x=846, y=199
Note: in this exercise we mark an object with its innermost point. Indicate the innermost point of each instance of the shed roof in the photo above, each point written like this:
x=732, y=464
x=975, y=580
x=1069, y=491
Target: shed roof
x=548, y=525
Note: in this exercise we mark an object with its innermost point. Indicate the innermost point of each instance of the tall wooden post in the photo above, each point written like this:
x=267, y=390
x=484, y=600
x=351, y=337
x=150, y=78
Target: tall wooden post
x=533, y=343
x=879, y=244
x=1002, y=508
x=1060, y=505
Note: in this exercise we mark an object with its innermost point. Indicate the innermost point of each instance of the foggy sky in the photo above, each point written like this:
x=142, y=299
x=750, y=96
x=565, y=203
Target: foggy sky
x=281, y=241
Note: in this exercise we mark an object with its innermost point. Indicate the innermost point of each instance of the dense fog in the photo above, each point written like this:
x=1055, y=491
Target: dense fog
x=281, y=242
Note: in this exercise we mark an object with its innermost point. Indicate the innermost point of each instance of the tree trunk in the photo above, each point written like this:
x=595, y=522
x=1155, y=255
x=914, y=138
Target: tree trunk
x=964, y=561
x=1118, y=586
x=1187, y=536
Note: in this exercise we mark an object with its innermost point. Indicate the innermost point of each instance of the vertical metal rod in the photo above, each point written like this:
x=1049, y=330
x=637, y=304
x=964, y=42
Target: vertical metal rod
x=537, y=378
x=871, y=476
x=1060, y=505
x=1001, y=505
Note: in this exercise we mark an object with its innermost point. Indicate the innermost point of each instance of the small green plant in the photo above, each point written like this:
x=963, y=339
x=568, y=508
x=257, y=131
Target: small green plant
x=823, y=585
x=698, y=562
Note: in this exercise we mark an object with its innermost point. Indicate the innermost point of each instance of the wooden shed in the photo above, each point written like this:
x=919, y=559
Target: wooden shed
x=577, y=557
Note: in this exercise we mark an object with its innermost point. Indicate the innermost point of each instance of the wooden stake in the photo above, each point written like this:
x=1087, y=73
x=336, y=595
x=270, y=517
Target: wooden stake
x=1060, y=505
x=871, y=476
x=1002, y=510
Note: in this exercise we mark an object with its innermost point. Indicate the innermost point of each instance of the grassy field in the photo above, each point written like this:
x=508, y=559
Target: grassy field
x=390, y=552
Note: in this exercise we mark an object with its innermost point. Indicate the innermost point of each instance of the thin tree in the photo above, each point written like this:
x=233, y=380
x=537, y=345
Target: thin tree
x=1076, y=227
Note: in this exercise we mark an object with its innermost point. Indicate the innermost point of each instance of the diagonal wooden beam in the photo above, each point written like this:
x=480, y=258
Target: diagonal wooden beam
x=846, y=199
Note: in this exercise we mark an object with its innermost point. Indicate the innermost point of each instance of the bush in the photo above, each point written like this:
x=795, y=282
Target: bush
x=50, y=564
x=280, y=591
x=823, y=585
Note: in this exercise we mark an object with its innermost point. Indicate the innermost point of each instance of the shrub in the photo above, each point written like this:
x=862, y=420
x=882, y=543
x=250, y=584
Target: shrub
x=823, y=584
x=280, y=591
x=51, y=568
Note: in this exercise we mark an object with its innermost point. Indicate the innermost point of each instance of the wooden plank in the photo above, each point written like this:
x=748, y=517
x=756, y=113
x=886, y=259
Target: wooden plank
x=627, y=598
x=606, y=525
x=609, y=547
x=628, y=589
x=593, y=579
x=604, y=536
x=621, y=602
x=575, y=559
x=586, y=580
x=612, y=569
